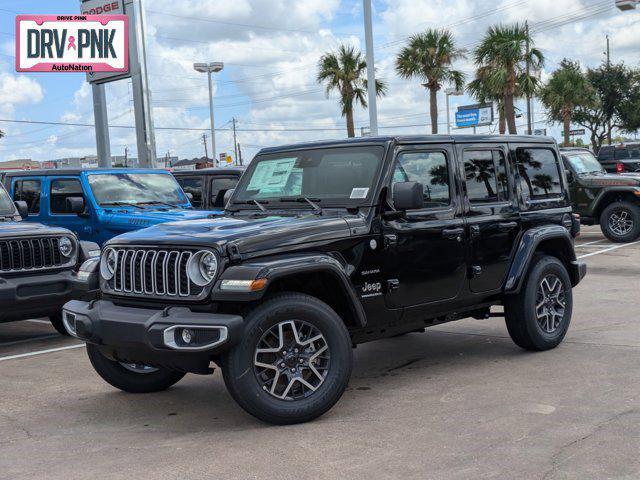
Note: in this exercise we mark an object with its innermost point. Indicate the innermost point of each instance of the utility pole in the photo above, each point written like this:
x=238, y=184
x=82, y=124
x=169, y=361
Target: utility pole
x=235, y=141
x=240, y=154
x=371, y=69
x=204, y=141
x=529, y=119
x=608, y=71
x=126, y=156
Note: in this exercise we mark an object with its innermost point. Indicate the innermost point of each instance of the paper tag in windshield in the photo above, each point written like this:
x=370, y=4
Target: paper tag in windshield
x=272, y=175
x=358, y=193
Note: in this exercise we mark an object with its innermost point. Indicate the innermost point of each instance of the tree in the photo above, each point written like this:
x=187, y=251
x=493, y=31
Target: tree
x=567, y=88
x=614, y=102
x=345, y=71
x=504, y=53
x=429, y=56
x=1, y=134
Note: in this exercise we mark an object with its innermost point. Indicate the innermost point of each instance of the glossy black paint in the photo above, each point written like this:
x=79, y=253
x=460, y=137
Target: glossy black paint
x=399, y=270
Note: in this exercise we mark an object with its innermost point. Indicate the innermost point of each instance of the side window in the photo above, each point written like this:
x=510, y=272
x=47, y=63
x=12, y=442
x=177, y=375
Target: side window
x=193, y=185
x=61, y=189
x=431, y=170
x=486, y=176
x=219, y=187
x=539, y=173
x=28, y=191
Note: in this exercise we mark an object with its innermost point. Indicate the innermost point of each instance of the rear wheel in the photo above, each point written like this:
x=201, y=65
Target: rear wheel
x=620, y=222
x=294, y=361
x=539, y=316
x=56, y=321
x=132, y=377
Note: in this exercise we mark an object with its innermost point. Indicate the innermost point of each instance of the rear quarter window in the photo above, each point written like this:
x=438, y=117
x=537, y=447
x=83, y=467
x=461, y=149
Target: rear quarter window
x=539, y=174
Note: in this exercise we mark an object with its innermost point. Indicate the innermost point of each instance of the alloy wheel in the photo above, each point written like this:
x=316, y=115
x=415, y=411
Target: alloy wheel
x=550, y=303
x=620, y=222
x=138, y=367
x=291, y=360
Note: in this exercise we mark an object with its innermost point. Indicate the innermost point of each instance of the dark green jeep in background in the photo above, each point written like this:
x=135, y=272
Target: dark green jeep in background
x=611, y=200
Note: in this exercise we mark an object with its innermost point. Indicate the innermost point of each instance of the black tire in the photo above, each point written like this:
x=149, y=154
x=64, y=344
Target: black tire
x=242, y=377
x=521, y=318
x=621, y=233
x=56, y=321
x=126, y=379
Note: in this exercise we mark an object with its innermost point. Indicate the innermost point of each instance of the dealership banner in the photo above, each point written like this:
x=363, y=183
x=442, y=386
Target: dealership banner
x=72, y=43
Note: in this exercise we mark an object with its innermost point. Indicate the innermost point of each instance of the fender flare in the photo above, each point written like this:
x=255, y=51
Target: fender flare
x=527, y=247
x=281, y=266
x=595, y=204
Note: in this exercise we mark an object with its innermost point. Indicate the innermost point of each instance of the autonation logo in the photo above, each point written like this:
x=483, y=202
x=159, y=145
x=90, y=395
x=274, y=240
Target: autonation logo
x=78, y=43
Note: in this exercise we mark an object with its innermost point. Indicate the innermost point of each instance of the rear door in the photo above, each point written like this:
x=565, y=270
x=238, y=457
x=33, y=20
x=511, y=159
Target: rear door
x=493, y=218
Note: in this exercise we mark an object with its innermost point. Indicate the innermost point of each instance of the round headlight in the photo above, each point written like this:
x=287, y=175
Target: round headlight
x=203, y=268
x=108, y=263
x=66, y=246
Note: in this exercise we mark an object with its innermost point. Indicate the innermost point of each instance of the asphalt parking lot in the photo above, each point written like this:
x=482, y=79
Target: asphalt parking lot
x=460, y=401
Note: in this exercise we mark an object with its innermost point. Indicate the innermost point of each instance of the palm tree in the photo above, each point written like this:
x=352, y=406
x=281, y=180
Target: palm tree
x=505, y=52
x=429, y=56
x=480, y=89
x=567, y=89
x=1, y=134
x=345, y=71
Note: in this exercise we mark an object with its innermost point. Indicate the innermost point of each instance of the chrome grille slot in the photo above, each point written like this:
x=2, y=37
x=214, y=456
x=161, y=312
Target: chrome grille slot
x=152, y=272
x=31, y=254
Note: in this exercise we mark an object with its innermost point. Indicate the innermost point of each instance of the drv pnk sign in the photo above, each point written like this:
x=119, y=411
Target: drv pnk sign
x=72, y=43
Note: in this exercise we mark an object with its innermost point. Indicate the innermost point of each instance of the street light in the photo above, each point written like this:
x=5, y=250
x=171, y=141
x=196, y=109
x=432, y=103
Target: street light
x=448, y=92
x=209, y=68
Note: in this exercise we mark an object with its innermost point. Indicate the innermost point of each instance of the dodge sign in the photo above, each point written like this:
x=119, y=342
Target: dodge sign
x=72, y=43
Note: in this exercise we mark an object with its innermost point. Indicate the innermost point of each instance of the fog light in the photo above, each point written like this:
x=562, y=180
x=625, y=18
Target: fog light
x=187, y=336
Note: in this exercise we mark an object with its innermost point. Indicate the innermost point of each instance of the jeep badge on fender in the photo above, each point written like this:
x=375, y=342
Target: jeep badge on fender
x=278, y=290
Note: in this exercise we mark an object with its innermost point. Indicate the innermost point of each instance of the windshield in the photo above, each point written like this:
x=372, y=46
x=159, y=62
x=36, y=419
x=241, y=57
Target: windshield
x=6, y=205
x=584, y=162
x=118, y=189
x=333, y=175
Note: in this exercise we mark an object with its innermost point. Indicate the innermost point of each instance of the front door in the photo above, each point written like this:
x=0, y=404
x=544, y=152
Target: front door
x=425, y=260
x=493, y=218
x=59, y=189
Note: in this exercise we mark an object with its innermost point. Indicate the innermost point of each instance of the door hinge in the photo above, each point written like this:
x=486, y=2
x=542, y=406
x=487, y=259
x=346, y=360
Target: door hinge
x=475, y=271
x=393, y=284
x=390, y=240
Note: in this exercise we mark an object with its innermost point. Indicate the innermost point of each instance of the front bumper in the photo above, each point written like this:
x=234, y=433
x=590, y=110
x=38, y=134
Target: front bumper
x=42, y=294
x=152, y=336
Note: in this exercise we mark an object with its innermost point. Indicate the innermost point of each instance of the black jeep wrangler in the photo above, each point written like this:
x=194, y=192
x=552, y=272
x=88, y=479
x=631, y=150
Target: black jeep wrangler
x=323, y=246
x=611, y=200
x=41, y=268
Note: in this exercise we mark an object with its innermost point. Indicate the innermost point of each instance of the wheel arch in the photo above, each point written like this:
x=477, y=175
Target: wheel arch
x=609, y=196
x=553, y=240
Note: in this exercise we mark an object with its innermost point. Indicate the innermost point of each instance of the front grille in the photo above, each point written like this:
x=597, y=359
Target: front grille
x=154, y=272
x=31, y=254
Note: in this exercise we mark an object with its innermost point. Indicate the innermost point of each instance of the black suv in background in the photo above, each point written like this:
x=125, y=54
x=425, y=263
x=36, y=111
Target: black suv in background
x=41, y=268
x=599, y=197
x=206, y=187
x=621, y=158
x=327, y=245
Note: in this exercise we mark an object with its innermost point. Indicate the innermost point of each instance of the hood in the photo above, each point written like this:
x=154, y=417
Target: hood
x=26, y=229
x=137, y=218
x=249, y=234
x=611, y=180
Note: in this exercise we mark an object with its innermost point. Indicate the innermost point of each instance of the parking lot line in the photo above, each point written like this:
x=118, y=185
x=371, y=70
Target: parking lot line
x=27, y=340
x=39, y=321
x=590, y=243
x=41, y=352
x=615, y=247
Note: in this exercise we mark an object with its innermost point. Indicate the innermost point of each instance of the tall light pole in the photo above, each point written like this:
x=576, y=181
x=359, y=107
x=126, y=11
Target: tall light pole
x=209, y=68
x=448, y=92
x=371, y=69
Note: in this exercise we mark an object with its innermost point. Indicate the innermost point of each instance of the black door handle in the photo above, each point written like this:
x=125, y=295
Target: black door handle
x=453, y=233
x=506, y=226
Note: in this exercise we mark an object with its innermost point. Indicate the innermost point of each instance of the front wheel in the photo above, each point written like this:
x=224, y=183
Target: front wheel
x=620, y=222
x=56, y=321
x=130, y=377
x=538, y=317
x=294, y=361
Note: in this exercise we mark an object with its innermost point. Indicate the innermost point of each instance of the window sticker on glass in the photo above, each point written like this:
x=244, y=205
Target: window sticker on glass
x=272, y=175
x=358, y=193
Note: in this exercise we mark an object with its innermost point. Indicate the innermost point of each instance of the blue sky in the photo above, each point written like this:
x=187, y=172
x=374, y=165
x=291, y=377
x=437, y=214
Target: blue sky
x=270, y=48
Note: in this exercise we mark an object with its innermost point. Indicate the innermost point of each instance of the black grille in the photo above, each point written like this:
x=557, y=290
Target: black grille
x=30, y=254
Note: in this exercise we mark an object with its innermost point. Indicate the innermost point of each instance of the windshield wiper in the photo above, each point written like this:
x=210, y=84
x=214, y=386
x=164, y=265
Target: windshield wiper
x=121, y=204
x=158, y=202
x=254, y=202
x=310, y=201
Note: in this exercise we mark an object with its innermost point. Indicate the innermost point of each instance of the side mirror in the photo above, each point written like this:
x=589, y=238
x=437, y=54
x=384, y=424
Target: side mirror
x=227, y=196
x=408, y=195
x=75, y=205
x=570, y=177
x=189, y=196
x=23, y=209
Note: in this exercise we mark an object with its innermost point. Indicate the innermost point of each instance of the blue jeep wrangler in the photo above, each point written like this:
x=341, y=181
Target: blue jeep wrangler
x=100, y=204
